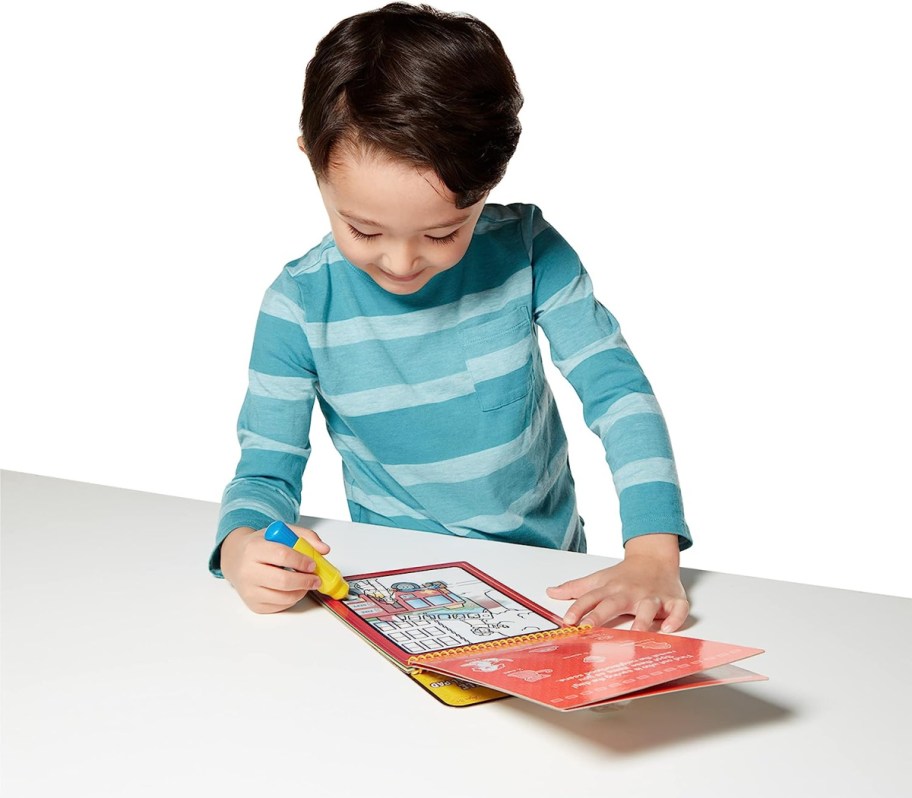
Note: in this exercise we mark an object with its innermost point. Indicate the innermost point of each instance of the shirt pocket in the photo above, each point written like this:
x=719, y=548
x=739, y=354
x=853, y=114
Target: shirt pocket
x=498, y=355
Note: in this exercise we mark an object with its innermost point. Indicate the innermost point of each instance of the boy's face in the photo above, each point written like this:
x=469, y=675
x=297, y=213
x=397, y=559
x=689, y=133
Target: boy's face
x=394, y=221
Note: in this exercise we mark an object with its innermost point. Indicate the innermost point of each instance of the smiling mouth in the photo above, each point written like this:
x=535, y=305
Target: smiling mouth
x=400, y=279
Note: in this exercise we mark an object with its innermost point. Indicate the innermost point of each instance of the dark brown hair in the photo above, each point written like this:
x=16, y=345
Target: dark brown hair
x=420, y=85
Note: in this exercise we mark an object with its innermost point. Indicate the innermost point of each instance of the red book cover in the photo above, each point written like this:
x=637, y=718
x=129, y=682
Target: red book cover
x=578, y=668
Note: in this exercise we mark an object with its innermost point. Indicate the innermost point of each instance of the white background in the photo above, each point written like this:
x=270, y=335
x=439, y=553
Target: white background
x=736, y=177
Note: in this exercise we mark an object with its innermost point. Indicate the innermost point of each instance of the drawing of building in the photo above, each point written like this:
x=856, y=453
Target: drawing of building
x=371, y=600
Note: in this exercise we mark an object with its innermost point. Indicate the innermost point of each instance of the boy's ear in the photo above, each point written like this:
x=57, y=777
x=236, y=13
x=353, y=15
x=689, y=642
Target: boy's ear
x=301, y=146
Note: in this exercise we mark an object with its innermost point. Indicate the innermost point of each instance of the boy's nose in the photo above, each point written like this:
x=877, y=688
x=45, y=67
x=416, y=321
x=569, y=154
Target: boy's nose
x=402, y=263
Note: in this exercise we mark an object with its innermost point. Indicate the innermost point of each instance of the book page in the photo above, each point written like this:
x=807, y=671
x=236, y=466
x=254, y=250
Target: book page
x=434, y=608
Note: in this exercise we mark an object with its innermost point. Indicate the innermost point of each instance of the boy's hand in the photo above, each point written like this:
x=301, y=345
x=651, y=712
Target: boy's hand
x=256, y=567
x=646, y=584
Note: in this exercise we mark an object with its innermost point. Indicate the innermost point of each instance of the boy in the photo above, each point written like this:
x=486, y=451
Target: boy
x=414, y=326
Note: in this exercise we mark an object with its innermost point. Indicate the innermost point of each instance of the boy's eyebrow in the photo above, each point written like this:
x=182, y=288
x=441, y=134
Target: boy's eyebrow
x=371, y=223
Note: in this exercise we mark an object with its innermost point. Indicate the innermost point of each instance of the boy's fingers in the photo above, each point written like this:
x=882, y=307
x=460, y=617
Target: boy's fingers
x=583, y=607
x=646, y=611
x=283, y=578
x=311, y=537
x=572, y=589
x=287, y=581
x=677, y=611
x=279, y=555
x=270, y=601
x=606, y=610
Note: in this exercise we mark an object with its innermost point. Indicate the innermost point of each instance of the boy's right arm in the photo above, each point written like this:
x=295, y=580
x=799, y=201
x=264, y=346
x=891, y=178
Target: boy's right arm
x=269, y=577
x=273, y=431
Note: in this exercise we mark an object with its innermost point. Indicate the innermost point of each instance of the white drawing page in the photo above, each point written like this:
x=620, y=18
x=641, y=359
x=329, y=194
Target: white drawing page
x=440, y=608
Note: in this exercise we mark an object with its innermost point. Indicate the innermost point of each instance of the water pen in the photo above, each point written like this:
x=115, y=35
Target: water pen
x=331, y=581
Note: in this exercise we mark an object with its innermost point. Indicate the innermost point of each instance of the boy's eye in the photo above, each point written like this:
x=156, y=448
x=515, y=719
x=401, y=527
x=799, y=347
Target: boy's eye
x=444, y=239
x=356, y=233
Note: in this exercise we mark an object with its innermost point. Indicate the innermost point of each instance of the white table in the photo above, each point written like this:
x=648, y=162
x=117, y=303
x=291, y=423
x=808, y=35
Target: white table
x=127, y=670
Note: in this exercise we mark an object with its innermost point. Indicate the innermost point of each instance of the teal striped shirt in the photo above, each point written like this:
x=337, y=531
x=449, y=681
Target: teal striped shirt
x=437, y=401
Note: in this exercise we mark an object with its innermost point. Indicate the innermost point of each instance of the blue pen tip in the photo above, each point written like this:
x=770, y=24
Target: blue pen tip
x=277, y=532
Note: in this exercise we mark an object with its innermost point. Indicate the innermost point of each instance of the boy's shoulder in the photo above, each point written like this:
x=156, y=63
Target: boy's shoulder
x=494, y=214
x=524, y=214
x=315, y=259
x=304, y=277
x=520, y=218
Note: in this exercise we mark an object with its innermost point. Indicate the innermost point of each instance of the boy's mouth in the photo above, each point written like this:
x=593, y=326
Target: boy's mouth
x=396, y=278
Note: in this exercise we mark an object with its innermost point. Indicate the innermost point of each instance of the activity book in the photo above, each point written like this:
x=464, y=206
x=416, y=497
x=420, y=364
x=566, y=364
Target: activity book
x=467, y=638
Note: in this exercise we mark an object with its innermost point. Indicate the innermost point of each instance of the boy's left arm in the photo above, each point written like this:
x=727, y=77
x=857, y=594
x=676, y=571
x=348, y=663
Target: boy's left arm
x=620, y=407
x=645, y=584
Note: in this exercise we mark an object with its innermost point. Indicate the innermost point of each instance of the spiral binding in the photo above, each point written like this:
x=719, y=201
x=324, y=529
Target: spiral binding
x=506, y=642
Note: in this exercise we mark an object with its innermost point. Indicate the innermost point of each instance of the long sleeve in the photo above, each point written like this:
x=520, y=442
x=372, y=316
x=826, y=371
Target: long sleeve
x=618, y=402
x=274, y=423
